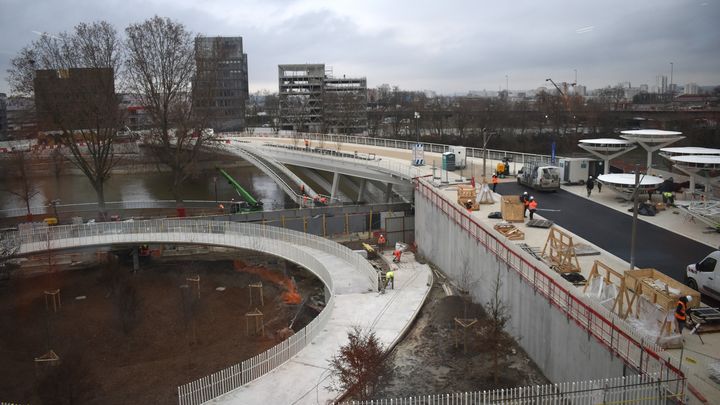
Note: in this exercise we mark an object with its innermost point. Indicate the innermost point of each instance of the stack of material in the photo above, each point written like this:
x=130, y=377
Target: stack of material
x=512, y=209
x=510, y=231
x=467, y=197
x=707, y=318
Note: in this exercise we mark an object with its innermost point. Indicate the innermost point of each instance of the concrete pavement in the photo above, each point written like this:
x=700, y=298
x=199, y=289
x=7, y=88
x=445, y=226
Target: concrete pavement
x=306, y=378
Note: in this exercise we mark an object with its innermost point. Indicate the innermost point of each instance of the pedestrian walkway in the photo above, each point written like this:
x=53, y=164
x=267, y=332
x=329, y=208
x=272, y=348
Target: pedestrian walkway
x=305, y=379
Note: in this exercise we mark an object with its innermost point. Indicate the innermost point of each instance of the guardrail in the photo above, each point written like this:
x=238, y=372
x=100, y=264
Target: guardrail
x=218, y=233
x=608, y=329
x=493, y=154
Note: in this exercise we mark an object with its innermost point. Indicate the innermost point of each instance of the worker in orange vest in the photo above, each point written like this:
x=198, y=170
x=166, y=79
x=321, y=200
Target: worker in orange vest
x=532, y=206
x=381, y=242
x=681, y=312
x=397, y=253
x=495, y=181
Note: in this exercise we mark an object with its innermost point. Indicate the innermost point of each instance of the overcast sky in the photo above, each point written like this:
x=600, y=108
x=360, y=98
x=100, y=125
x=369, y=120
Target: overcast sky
x=449, y=46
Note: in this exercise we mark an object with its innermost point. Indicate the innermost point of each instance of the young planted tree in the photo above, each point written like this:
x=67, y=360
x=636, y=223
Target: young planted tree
x=160, y=69
x=360, y=366
x=494, y=337
x=72, y=78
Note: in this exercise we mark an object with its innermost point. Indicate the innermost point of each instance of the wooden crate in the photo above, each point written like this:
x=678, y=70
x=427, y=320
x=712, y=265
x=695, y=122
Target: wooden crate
x=467, y=193
x=642, y=283
x=512, y=209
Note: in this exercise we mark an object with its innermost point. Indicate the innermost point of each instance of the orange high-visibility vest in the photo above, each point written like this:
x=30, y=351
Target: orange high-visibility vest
x=381, y=240
x=495, y=180
x=680, y=312
x=532, y=204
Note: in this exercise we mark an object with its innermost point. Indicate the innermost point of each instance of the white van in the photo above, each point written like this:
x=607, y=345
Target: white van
x=540, y=177
x=704, y=276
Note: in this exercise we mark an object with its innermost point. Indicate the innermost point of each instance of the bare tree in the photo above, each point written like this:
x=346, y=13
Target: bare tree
x=160, y=69
x=79, y=104
x=22, y=187
x=360, y=366
x=495, y=337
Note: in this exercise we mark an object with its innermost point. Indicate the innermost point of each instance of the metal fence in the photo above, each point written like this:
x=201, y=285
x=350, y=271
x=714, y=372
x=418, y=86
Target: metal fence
x=243, y=235
x=636, y=389
x=608, y=329
x=493, y=154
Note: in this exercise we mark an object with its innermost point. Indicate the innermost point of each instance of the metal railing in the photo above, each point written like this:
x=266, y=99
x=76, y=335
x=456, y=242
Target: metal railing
x=492, y=154
x=607, y=328
x=636, y=389
x=109, y=206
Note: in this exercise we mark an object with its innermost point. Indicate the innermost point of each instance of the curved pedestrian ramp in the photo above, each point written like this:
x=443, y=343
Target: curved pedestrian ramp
x=299, y=364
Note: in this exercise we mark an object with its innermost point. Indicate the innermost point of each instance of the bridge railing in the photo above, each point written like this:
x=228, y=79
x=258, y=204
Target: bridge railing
x=608, y=329
x=493, y=154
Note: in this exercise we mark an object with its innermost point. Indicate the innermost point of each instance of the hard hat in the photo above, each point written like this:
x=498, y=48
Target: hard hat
x=589, y=177
x=532, y=198
x=689, y=298
x=525, y=193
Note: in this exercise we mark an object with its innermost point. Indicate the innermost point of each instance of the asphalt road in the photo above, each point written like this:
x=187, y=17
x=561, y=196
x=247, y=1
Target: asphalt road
x=611, y=230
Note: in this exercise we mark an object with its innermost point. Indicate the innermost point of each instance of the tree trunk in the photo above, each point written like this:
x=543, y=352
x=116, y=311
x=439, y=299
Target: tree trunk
x=99, y=187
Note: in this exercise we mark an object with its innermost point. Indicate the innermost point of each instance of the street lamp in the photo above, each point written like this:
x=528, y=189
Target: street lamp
x=215, y=179
x=54, y=203
x=417, y=128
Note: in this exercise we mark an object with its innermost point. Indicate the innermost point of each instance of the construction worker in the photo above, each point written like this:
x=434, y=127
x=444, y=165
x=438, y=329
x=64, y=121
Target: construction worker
x=495, y=181
x=525, y=200
x=390, y=279
x=397, y=253
x=532, y=206
x=381, y=242
x=668, y=198
x=681, y=312
x=589, y=185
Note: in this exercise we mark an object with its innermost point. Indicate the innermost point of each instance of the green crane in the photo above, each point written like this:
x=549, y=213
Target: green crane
x=249, y=203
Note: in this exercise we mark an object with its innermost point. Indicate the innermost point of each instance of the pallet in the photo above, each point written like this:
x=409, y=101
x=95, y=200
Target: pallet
x=582, y=249
x=510, y=231
x=540, y=223
x=707, y=318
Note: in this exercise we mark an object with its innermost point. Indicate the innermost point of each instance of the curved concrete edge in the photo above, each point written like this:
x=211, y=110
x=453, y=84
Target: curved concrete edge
x=305, y=379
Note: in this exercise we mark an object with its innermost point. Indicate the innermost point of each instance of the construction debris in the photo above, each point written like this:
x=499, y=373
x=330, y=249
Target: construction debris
x=540, y=223
x=510, y=231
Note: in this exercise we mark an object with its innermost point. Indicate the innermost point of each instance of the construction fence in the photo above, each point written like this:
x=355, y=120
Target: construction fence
x=636, y=389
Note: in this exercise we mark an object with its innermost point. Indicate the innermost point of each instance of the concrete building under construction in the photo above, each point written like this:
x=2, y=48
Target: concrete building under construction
x=313, y=100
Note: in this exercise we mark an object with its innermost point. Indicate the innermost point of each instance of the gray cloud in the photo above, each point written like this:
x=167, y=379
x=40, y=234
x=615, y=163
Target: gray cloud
x=451, y=46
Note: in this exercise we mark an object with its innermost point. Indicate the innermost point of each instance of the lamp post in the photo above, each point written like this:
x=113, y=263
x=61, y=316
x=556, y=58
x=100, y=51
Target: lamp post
x=215, y=184
x=417, y=128
x=54, y=203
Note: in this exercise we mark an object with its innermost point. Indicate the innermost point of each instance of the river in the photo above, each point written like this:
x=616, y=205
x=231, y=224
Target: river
x=73, y=189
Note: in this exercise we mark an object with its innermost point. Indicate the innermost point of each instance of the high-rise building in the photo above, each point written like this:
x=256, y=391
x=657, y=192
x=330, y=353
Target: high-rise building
x=661, y=81
x=691, y=88
x=313, y=100
x=220, y=89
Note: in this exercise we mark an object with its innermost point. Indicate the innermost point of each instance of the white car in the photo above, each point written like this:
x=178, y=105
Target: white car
x=704, y=276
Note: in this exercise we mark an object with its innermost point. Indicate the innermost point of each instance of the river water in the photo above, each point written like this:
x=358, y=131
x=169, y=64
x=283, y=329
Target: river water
x=73, y=189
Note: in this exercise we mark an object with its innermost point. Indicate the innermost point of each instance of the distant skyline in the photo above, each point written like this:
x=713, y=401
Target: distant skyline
x=448, y=47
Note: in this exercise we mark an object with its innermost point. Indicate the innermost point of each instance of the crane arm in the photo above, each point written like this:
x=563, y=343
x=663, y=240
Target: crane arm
x=238, y=188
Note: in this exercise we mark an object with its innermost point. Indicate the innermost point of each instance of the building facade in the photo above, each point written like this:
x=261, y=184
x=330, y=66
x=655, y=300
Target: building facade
x=220, y=88
x=311, y=99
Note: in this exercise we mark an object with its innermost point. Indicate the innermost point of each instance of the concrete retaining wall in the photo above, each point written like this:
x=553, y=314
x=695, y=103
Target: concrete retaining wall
x=562, y=350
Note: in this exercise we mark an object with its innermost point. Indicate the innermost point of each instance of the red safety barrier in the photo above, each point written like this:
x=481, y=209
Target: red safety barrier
x=632, y=351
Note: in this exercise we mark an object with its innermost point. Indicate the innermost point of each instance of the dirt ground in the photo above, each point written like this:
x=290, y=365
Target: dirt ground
x=427, y=361
x=135, y=337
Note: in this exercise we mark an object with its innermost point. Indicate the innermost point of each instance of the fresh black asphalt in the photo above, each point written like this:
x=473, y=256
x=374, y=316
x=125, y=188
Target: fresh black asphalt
x=611, y=230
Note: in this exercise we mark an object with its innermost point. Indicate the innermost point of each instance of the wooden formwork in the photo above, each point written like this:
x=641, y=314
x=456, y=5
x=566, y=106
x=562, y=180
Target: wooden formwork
x=560, y=252
x=512, y=209
x=658, y=289
x=610, y=276
x=467, y=196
